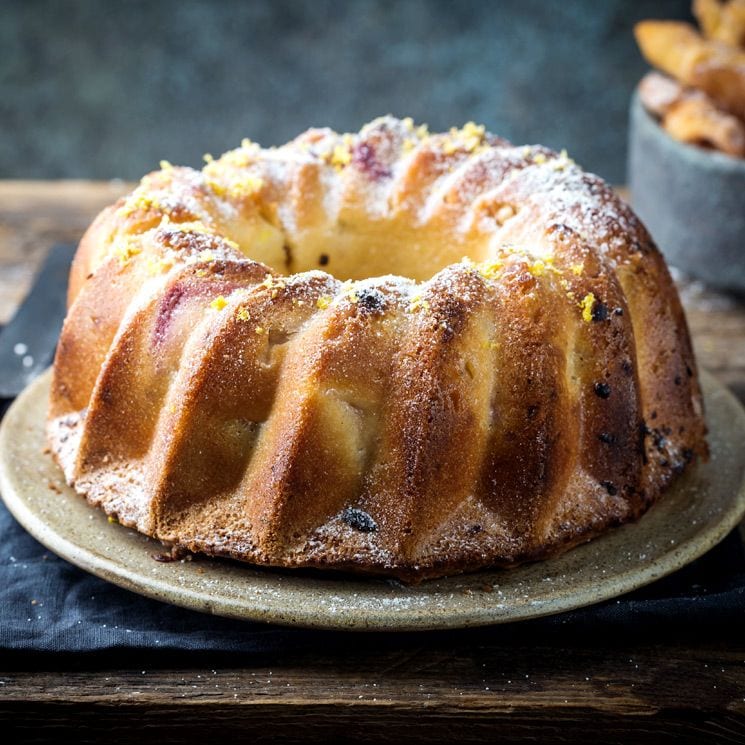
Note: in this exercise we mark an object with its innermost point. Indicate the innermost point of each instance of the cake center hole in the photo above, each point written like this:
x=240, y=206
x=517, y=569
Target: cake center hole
x=360, y=249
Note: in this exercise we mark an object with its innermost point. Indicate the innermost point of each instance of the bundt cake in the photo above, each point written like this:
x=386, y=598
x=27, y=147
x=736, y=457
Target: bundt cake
x=389, y=352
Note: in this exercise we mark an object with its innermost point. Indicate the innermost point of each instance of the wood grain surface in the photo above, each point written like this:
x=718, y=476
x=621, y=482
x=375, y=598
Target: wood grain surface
x=487, y=692
x=491, y=686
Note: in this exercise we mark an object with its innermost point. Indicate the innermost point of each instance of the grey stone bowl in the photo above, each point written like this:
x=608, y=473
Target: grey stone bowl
x=692, y=201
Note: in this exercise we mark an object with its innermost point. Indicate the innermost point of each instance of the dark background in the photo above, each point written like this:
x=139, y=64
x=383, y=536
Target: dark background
x=106, y=88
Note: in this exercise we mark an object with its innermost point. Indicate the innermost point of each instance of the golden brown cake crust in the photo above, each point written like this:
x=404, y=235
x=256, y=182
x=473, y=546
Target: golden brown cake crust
x=527, y=386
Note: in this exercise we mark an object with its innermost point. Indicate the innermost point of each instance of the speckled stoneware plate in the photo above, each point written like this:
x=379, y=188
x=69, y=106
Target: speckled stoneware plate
x=695, y=515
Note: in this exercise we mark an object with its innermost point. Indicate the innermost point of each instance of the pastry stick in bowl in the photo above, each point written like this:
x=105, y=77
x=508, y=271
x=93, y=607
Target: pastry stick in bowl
x=696, y=120
x=690, y=116
x=723, y=21
x=713, y=67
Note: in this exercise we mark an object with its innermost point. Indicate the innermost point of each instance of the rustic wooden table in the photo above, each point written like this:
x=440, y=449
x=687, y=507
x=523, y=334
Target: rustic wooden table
x=475, y=686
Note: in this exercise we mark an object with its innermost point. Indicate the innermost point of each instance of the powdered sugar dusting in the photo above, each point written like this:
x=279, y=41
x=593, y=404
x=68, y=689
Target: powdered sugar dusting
x=388, y=197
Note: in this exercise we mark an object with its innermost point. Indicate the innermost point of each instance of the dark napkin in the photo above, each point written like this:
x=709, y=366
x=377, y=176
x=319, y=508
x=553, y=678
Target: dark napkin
x=50, y=609
x=27, y=343
x=49, y=606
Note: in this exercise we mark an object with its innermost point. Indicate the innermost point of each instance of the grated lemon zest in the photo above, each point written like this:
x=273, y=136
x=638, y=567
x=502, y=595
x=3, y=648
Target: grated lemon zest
x=586, y=304
x=418, y=303
x=218, y=303
x=490, y=269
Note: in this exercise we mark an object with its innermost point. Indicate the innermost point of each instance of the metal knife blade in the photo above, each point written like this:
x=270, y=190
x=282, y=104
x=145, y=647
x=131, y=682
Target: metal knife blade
x=27, y=343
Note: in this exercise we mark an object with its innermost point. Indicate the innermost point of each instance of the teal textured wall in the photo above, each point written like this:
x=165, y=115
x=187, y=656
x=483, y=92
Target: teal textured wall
x=105, y=89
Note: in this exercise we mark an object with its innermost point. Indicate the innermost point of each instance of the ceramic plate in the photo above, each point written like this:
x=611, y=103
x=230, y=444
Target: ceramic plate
x=694, y=515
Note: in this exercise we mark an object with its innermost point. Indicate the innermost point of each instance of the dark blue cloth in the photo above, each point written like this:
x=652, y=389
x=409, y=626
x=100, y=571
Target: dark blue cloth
x=49, y=607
